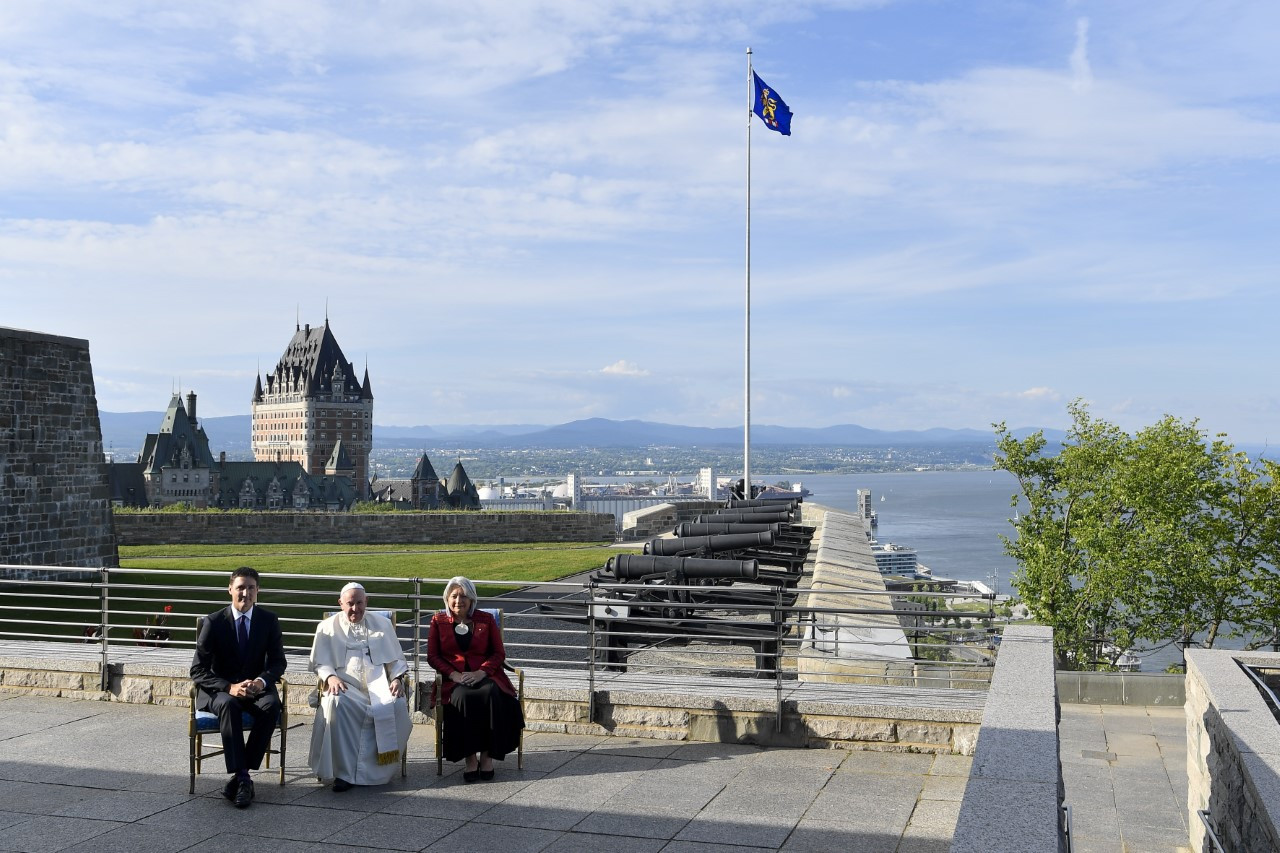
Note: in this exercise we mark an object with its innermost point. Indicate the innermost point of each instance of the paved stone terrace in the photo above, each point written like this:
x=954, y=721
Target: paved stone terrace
x=1125, y=771
x=99, y=776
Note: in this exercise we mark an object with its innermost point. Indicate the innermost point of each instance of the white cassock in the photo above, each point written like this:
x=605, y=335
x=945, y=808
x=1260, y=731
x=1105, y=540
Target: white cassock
x=359, y=735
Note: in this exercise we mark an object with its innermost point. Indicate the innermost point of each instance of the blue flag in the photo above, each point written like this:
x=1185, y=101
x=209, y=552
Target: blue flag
x=772, y=110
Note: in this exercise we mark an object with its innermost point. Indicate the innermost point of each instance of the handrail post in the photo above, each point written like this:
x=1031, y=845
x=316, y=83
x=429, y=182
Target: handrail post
x=778, y=621
x=417, y=644
x=591, y=650
x=103, y=626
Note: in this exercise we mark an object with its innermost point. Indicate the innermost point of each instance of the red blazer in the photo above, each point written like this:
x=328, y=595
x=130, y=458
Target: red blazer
x=486, y=652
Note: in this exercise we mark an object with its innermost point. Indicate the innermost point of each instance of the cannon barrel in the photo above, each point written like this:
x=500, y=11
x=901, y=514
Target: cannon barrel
x=634, y=566
x=724, y=517
x=710, y=544
x=782, y=503
x=689, y=528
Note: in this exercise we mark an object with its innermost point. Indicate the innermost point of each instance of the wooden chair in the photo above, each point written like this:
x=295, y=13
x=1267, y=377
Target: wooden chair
x=437, y=705
x=201, y=723
x=408, y=687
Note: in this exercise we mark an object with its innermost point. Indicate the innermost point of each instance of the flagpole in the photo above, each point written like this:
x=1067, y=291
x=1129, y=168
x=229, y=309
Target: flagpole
x=746, y=337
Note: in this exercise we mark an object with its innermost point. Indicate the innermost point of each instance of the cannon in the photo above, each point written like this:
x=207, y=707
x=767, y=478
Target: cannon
x=626, y=567
x=738, y=503
x=708, y=544
x=725, y=516
x=650, y=606
x=690, y=528
x=761, y=547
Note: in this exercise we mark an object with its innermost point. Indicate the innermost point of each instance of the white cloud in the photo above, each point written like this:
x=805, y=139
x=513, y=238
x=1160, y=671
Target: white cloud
x=624, y=368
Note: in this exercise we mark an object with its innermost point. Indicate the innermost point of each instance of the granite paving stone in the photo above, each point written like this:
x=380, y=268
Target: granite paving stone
x=266, y=820
x=585, y=842
x=685, y=846
x=827, y=836
x=125, y=806
x=89, y=767
x=508, y=839
x=765, y=830
x=649, y=823
x=394, y=832
x=140, y=838
x=47, y=833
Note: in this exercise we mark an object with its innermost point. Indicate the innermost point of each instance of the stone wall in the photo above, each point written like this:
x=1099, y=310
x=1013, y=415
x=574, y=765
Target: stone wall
x=1233, y=752
x=55, y=505
x=659, y=519
x=345, y=528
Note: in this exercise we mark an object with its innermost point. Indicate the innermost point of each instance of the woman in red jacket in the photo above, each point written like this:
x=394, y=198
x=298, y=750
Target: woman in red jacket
x=482, y=716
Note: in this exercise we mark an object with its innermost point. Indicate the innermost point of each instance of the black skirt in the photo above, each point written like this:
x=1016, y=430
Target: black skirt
x=481, y=719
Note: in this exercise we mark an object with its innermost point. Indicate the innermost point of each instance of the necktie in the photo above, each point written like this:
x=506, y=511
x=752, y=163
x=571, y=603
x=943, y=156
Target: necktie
x=242, y=631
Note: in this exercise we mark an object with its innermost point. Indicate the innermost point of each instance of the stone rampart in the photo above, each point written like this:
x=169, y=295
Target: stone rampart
x=1233, y=752
x=55, y=507
x=346, y=528
x=656, y=520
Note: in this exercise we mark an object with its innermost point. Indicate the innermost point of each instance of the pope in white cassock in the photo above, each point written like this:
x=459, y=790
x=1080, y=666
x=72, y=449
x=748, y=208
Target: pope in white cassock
x=362, y=724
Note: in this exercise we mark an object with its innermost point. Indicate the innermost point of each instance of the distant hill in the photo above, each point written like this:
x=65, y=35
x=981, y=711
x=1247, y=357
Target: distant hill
x=124, y=432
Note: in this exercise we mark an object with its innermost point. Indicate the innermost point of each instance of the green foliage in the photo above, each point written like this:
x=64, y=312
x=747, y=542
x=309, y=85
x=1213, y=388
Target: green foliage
x=1162, y=534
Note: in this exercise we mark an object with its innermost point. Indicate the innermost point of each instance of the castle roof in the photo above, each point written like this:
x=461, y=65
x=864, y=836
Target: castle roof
x=313, y=364
x=339, y=459
x=178, y=432
x=459, y=482
x=424, y=470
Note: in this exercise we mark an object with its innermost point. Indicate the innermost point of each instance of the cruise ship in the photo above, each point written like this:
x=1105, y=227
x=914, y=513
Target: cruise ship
x=894, y=559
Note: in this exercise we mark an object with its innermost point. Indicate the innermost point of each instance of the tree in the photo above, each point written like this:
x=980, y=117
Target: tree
x=1160, y=535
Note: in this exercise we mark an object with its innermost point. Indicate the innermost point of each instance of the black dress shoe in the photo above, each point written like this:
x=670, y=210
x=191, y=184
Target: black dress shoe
x=341, y=785
x=244, y=796
x=229, y=789
x=470, y=776
x=486, y=775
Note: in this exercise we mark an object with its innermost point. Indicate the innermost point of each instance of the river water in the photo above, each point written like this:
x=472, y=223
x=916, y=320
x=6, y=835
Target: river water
x=954, y=520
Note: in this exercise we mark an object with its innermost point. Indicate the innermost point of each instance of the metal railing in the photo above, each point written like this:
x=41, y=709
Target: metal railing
x=765, y=635
x=1206, y=819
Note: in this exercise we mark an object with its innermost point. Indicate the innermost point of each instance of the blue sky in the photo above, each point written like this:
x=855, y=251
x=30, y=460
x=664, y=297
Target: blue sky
x=534, y=212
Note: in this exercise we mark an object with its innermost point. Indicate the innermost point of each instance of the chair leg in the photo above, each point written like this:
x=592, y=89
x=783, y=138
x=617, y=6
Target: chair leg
x=439, y=741
x=193, y=747
x=284, y=735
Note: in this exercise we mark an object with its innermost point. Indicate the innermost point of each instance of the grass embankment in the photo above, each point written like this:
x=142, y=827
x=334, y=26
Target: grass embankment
x=137, y=600
x=527, y=562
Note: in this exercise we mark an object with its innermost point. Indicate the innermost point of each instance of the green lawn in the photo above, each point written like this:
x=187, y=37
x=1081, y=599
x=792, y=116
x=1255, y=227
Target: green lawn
x=137, y=599
x=532, y=562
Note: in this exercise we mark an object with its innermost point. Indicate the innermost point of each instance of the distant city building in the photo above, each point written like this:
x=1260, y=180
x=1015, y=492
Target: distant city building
x=312, y=410
x=176, y=466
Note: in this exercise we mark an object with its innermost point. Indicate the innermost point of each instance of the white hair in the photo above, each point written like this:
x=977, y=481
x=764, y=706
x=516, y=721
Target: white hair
x=467, y=587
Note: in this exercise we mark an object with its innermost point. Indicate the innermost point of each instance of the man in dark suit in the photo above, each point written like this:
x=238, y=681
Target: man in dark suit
x=239, y=658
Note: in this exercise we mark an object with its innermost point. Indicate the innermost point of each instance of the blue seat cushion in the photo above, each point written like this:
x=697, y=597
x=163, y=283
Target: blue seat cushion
x=207, y=721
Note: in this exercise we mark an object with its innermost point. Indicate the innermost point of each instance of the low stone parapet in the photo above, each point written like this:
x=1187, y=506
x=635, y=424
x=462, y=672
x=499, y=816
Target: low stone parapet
x=1013, y=799
x=1233, y=752
x=728, y=710
x=869, y=647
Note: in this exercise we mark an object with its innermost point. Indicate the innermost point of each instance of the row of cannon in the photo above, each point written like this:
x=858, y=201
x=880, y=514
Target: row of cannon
x=717, y=577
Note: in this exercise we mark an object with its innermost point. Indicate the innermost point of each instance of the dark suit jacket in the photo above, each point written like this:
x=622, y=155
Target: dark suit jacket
x=217, y=664
x=486, y=651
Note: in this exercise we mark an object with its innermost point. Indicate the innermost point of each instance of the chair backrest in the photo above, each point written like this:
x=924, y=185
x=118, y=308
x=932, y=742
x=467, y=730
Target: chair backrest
x=386, y=614
x=495, y=612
